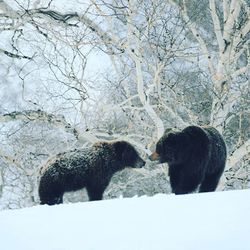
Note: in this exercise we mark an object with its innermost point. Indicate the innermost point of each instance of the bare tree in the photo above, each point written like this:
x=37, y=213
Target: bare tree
x=155, y=42
x=170, y=64
x=227, y=60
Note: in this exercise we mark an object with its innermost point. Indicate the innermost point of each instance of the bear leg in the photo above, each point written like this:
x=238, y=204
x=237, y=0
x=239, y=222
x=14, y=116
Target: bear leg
x=210, y=183
x=174, y=176
x=95, y=193
x=187, y=185
x=51, y=200
x=50, y=193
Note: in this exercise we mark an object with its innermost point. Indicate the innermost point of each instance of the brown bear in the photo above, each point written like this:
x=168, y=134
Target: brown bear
x=196, y=157
x=91, y=168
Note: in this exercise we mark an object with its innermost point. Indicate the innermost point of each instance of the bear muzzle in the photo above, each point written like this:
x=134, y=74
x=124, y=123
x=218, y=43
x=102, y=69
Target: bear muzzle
x=140, y=164
x=154, y=157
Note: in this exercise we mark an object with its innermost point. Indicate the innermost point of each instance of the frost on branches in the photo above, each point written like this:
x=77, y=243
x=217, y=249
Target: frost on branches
x=75, y=73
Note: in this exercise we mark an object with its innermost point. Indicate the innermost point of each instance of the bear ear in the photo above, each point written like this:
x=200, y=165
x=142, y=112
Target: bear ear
x=120, y=146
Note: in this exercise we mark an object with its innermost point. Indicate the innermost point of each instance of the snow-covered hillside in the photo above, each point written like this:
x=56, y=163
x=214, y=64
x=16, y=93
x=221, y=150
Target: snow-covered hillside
x=209, y=221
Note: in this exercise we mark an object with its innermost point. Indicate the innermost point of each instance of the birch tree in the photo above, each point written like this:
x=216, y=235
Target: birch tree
x=171, y=64
x=219, y=51
x=230, y=60
x=227, y=59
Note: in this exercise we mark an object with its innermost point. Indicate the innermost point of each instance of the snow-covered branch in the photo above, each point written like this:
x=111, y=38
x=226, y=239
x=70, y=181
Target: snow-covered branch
x=175, y=63
x=57, y=121
x=198, y=37
x=238, y=154
x=217, y=26
x=39, y=115
x=135, y=53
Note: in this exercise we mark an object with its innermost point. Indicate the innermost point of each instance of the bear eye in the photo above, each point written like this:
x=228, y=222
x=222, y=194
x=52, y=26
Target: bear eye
x=170, y=135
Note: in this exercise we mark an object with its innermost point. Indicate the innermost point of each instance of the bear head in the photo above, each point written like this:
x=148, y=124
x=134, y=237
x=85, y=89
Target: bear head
x=169, y=148
x=127, y=155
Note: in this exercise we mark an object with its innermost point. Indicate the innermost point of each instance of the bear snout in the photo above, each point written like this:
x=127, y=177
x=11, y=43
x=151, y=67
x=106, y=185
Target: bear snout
x=140, y=163
x=154, y=157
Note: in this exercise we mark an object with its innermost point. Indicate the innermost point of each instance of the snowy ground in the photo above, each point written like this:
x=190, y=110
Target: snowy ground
x=209, y=221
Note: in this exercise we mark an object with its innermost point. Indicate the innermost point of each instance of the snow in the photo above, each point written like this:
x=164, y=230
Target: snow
x=219, y=220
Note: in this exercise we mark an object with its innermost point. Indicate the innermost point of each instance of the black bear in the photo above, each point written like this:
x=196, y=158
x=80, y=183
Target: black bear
x=91, y=168
x=196, y=157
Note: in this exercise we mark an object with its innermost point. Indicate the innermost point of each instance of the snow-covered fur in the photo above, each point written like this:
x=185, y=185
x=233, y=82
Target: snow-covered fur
x=90, y=167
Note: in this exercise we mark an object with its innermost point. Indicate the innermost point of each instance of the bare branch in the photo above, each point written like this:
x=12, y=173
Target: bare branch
x=217, y=27
x=39, y=115
x=12, y=55
x=238, y=154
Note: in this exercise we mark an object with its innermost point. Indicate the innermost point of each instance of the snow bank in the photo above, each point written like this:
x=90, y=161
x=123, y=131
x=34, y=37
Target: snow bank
x=210, y=221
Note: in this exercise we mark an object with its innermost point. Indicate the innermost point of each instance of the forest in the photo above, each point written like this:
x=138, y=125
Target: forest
x=77, y=72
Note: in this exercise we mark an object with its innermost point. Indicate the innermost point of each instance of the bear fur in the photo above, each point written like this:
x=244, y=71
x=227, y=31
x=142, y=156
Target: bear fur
x=196, y=157
x=91, y=168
